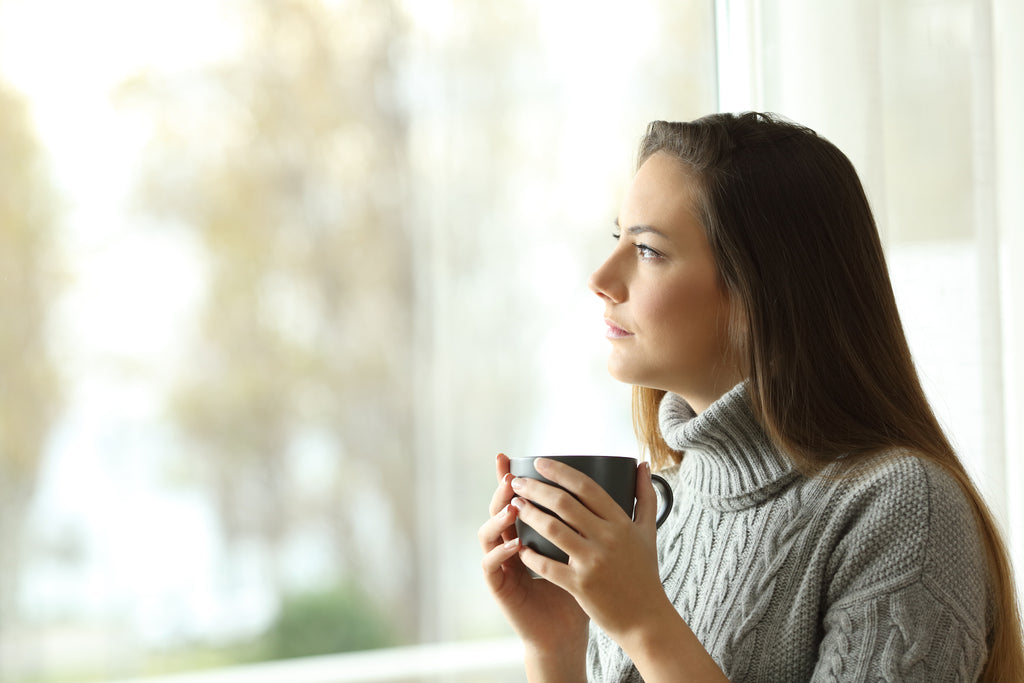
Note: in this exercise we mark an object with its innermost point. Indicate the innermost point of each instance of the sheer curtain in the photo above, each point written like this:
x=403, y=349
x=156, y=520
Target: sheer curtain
x=924, y=96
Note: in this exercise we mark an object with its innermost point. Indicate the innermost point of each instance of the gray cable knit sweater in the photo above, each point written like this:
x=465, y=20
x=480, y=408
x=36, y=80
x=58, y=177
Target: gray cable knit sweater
x=875, y=576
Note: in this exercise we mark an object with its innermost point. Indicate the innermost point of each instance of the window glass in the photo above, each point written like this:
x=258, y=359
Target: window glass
x=282, y=279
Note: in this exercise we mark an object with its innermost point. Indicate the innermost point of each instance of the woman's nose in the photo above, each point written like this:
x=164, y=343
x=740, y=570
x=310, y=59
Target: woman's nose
x=605, y=284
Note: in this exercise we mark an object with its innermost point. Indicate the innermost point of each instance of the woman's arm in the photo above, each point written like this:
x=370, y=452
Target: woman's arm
x=910, y=634
x=564, y=664
x=909, y=587
x=665, y=650
x=613, y=570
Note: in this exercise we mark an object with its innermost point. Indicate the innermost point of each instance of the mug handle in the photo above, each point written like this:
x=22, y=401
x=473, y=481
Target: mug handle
x=666, y=498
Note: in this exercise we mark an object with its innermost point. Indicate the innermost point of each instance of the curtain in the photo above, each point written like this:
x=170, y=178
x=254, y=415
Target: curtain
x=923, y=95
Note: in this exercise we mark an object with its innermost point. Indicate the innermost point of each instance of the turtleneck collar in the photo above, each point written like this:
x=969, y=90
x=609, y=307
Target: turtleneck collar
x=729, y=462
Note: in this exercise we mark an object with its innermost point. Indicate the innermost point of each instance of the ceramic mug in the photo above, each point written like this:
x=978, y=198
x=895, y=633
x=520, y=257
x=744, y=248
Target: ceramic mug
x=615, y=474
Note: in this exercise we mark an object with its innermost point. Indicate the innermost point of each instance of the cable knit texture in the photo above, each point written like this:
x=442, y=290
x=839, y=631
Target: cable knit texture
x=876, y=575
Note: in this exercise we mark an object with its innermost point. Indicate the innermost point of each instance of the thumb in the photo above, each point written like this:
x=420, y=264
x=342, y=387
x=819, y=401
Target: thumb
x=646, y=510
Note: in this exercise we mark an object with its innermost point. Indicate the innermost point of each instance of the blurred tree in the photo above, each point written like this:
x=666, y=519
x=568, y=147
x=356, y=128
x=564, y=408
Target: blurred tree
x=289, y=164
x=29, y=386
x=380, y=210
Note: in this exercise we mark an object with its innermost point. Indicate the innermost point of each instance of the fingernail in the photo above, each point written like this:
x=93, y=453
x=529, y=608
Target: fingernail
x=517, y=483
x=510, y=509
x=519, y=503
x=507, y=478
x=514, y=543
x=540, y=464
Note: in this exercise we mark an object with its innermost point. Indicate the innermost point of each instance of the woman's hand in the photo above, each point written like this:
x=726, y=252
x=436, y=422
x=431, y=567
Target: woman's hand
x=613, y=561
x=612, y=571
x=550, y=623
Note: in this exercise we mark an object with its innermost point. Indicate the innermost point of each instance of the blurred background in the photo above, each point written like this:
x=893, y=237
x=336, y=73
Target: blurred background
x=279, y=278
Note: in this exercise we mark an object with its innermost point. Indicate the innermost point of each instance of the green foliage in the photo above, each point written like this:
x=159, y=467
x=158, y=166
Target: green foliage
x=343, y=619
x=339, y=619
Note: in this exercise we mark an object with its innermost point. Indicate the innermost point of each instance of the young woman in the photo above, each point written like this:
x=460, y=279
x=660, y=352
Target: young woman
x=823, y=528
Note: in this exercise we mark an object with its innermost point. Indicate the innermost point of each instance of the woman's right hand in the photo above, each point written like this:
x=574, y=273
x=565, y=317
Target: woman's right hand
x=550, y=623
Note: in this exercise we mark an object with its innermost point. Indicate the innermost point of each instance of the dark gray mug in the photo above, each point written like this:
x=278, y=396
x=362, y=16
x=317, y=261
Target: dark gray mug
x=615, y=474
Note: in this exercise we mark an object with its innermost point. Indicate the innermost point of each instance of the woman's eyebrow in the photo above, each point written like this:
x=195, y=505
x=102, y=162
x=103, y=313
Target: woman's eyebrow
x=639, y=229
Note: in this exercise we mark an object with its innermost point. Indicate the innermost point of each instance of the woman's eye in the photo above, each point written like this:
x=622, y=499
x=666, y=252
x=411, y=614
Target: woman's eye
x=645, y=252
x=616, y=235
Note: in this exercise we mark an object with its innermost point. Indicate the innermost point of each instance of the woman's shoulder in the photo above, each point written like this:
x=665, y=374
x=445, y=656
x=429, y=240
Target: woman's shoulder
x=896, y=480
x=900, y=519
x=903, y=493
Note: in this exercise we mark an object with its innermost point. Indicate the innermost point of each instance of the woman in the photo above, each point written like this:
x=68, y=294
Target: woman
x=823, y=527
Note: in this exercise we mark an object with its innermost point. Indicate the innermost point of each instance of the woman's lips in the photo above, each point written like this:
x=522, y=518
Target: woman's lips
x=614, y=331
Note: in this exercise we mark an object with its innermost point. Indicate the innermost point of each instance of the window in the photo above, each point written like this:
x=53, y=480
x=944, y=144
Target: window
x=310, y=266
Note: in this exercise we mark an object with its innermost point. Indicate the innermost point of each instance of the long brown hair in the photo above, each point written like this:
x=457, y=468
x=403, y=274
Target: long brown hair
x=814, y=320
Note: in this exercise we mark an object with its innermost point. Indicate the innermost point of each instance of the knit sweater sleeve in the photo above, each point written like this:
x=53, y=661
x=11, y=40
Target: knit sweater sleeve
x=908, y=582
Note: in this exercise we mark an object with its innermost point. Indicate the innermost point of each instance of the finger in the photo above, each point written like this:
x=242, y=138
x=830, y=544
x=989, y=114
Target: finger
x=588, y=491
x=502, y=465
x=547, y=525
x=502, y=498
x=491, y=533
x=557, y=500
x=502, y=495
x=494, y=563
x=546, y=568
x=646, y=509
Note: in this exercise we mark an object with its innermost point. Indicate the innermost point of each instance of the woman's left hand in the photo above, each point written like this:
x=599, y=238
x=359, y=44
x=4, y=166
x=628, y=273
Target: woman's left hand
x=613, y=562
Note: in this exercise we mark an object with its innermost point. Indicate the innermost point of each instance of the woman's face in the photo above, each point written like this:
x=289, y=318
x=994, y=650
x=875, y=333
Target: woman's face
x=667, y=315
